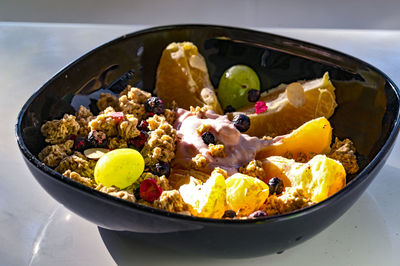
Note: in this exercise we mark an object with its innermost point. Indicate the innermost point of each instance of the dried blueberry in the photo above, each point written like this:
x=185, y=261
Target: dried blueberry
x=229, y=109
x=97, y=139
x=229, y=214
x=275, y=186
x=80, y=144
x=257, y=214
x=143, y=125
x=154, y=105
x=241, y=122
x=253, y=95
x=208, y=138
x=161, y=169
x=138, y=142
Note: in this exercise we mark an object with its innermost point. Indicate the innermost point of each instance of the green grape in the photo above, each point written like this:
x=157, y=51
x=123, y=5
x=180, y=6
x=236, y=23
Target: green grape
x=235, y=84
x=120, y=168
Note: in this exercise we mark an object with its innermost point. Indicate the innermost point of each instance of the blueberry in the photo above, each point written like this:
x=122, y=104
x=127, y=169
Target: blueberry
x=253, y=95
x=154, y=105
x=229, y=214
x=241, y=122
x=161, y=169
x=275, y=186
x=257, y=214
x=80, y=144
x=208, y=138
x=229, y=109
x=97, y=139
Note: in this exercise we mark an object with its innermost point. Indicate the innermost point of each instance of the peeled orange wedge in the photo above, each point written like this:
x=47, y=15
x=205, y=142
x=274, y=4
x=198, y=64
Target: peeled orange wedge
x=319, y=178
x=314, y=136
x=182, y=76
x=289, y=106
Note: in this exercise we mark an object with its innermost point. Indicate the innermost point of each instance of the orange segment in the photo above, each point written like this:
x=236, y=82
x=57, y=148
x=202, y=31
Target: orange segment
x=182, y=76
x=283, y=115
x=314, y=136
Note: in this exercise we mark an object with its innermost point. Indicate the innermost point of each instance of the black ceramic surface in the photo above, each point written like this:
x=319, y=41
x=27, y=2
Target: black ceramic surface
x=368, y=113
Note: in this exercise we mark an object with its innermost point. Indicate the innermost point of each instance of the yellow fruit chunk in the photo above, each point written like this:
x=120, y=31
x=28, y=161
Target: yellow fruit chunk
x=286, y=113
x=207, y=199
x=245, y=194
x=320, y=178
x=313, y=137
x=182, y=76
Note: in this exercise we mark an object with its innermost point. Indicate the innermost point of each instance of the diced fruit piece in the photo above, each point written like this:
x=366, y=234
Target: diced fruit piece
x=314, y=136
x=241, y=122
x=162, y=169
x=154, y=105
x=283, y=115
x=150, y=190
x=320, y=178
x=138, y=142
x=245, y=194
x=208, y=138
x=275, y=185
x=260, y=107
x=207, y=199
x=117, y=116
x=97, y=139
x=235, y=84
x=120, y=168
x=143, y=126
x=80, y=144
x=95, y=153
x=182, y=76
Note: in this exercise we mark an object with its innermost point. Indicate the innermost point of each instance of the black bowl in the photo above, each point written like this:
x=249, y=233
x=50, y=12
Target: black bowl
x=368, y=113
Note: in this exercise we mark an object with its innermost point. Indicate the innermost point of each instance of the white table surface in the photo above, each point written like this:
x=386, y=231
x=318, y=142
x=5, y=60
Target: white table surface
x=36, y=230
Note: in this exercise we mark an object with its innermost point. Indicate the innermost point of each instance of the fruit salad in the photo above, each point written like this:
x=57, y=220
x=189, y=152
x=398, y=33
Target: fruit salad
x=230, y=152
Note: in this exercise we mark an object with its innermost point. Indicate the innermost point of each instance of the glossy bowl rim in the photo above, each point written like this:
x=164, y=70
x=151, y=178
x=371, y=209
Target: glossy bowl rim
x=357, y=180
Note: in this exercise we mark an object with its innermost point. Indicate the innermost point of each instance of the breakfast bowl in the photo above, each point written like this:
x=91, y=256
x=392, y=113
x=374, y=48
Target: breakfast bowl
x=367, y=112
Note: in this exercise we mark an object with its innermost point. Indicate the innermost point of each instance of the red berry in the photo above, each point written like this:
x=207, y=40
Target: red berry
x=139, y=141
x=143, y=125
x=117, y=116
x=260, y=107
x=149, y=190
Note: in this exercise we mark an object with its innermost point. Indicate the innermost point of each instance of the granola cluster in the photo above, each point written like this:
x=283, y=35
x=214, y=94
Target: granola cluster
x=118, y=120
x=344, y=151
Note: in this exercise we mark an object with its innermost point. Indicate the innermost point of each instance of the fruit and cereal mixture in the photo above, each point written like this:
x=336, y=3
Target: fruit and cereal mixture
x=177, y=150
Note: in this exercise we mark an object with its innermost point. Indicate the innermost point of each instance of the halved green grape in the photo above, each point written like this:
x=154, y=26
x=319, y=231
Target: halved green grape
x=120, y=168
x=235, y=84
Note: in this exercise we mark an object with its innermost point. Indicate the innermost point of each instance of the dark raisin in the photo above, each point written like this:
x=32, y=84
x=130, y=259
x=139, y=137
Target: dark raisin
x=229, y=109
x=162, y=169
x=275, y=186
x=229, y=214
x=208, y=138
x=257, y=214
x=97, y=139
x=80, y=144
x=138, y=142
x=253, y=95
x=241, y=122
x=143, y=125
x=154, y=105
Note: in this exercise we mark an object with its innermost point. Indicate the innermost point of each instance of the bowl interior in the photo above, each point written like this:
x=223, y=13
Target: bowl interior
x=368, y=100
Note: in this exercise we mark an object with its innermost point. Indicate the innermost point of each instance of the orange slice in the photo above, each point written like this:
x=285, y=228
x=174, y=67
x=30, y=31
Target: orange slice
x=182, y=76
x=314, y=136
x=290, y=106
